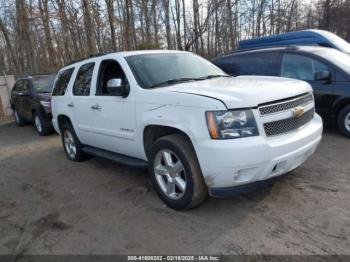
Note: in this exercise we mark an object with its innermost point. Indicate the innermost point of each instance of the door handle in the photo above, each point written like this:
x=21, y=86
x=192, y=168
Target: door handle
x=96, y=107
x=70, y=104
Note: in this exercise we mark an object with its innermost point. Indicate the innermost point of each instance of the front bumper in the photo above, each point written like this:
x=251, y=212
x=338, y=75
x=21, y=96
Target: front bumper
x=229, y=164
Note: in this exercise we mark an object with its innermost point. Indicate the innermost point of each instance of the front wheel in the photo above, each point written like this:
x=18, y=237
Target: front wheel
x=175, y=172
x=344, y=121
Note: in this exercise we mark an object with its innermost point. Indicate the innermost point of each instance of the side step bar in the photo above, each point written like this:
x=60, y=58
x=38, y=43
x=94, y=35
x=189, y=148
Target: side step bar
x=121, y=159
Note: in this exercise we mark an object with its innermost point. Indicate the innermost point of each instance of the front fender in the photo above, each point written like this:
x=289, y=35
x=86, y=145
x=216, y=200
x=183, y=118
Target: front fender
x=189, y=120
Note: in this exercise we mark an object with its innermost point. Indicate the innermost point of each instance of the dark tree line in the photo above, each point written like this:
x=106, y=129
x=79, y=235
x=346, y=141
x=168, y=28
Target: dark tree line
x=42, y=35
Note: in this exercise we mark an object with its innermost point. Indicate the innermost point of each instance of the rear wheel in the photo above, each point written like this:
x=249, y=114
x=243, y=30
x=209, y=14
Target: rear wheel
x=19, y=120
x=71, y=143
x=344, y=121
x=175, y=172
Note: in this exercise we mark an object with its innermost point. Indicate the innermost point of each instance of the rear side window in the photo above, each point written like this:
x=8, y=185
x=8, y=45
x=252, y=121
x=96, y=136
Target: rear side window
x=18, y=86
x=82, y=82
x=62, y=81
x=250, y=64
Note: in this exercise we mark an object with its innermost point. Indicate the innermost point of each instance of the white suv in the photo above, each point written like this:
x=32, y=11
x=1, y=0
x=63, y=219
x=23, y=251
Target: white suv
x=199, y=131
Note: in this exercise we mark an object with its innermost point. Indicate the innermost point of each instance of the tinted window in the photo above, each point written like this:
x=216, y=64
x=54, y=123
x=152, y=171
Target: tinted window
x=336, y=57
x=43, y=83
x=19, y=86
x=250, y=64
x=62, y=81
x=109, y=69
x=82, y=82
x=301, y=67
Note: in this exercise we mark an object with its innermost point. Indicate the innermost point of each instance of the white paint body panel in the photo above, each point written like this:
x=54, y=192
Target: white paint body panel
x=183, y=106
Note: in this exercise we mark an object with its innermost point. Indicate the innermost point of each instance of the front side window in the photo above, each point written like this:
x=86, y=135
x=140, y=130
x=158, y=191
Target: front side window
x=62, y=82
x=151, y=70
x=109, y=69
x=82, y=82
x=301, y=67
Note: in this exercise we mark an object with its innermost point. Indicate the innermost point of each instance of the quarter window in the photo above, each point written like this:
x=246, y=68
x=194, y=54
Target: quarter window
x=82, y=82
x=62, y=82
x=301, y=67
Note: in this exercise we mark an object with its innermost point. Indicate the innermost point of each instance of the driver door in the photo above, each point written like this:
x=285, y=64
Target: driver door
x=304, y=67
x=113, y=116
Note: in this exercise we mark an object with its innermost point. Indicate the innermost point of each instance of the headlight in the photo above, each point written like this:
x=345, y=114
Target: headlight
x=231, y=124
x=46, y=104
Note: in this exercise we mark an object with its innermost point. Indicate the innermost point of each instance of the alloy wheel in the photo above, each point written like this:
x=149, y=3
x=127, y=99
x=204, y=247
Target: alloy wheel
x=69, y=144
x=170, y=174
x=38, y=125
x=347, y=122
x=16, y=117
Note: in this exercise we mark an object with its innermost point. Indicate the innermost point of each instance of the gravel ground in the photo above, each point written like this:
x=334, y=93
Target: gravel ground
x=49, y=205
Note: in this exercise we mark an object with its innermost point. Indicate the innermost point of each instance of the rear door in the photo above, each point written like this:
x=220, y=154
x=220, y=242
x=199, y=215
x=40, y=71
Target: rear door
x=304, y=67
x=22, y=98
x=15, y=98
x=79, y=102
x=27, y=99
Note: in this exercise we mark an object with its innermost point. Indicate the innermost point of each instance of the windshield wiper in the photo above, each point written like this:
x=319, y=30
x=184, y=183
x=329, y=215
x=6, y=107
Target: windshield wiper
x=214, y=76
x=179, y=80
x=174, y=81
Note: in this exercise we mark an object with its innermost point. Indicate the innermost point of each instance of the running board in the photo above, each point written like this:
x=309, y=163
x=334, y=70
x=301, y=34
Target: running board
x=121, y=159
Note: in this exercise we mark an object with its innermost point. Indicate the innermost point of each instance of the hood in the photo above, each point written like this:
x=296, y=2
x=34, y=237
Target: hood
x=244, y=91
x=43, y=96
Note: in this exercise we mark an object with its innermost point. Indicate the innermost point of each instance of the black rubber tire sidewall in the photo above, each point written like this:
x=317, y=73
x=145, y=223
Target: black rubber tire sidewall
x=341, y=121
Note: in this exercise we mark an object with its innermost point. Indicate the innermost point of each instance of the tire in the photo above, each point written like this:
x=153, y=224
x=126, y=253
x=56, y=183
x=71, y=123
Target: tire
x=18, y=119
x=343, y=121
x=41, y=126
x=181, y=188
x=74, y=151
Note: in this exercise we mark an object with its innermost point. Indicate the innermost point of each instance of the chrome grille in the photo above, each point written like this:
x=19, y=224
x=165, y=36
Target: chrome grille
x=288, y=125
x=283, y=106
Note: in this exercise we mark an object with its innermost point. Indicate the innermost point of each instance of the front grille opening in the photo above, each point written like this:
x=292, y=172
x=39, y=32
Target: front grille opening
x=288, y=125
x=283, y=106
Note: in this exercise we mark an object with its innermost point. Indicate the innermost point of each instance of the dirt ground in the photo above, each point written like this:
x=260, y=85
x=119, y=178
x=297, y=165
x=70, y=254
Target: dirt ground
x=49, y=205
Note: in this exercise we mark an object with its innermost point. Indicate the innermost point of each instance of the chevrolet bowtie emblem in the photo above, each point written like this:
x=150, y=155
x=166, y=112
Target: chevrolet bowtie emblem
x=298, y=111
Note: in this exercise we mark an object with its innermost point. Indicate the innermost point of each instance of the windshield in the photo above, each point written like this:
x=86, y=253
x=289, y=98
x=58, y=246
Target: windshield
x=336, y=57
x=339, y=42
x=43, y=83
x=151, y=70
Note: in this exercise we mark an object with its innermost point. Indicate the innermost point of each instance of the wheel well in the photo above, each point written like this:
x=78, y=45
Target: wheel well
x=341, y=105
x=153, y=132
x=61, y=120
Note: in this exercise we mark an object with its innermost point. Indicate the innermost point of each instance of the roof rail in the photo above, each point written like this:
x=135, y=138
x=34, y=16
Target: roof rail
x=90, y=56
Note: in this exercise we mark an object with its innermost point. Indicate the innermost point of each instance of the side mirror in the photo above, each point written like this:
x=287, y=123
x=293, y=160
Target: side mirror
x=323, y=76
x=116, y=87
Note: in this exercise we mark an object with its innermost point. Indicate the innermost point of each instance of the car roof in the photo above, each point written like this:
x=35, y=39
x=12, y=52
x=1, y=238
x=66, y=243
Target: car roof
x=26, y=77
x=124, y=54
